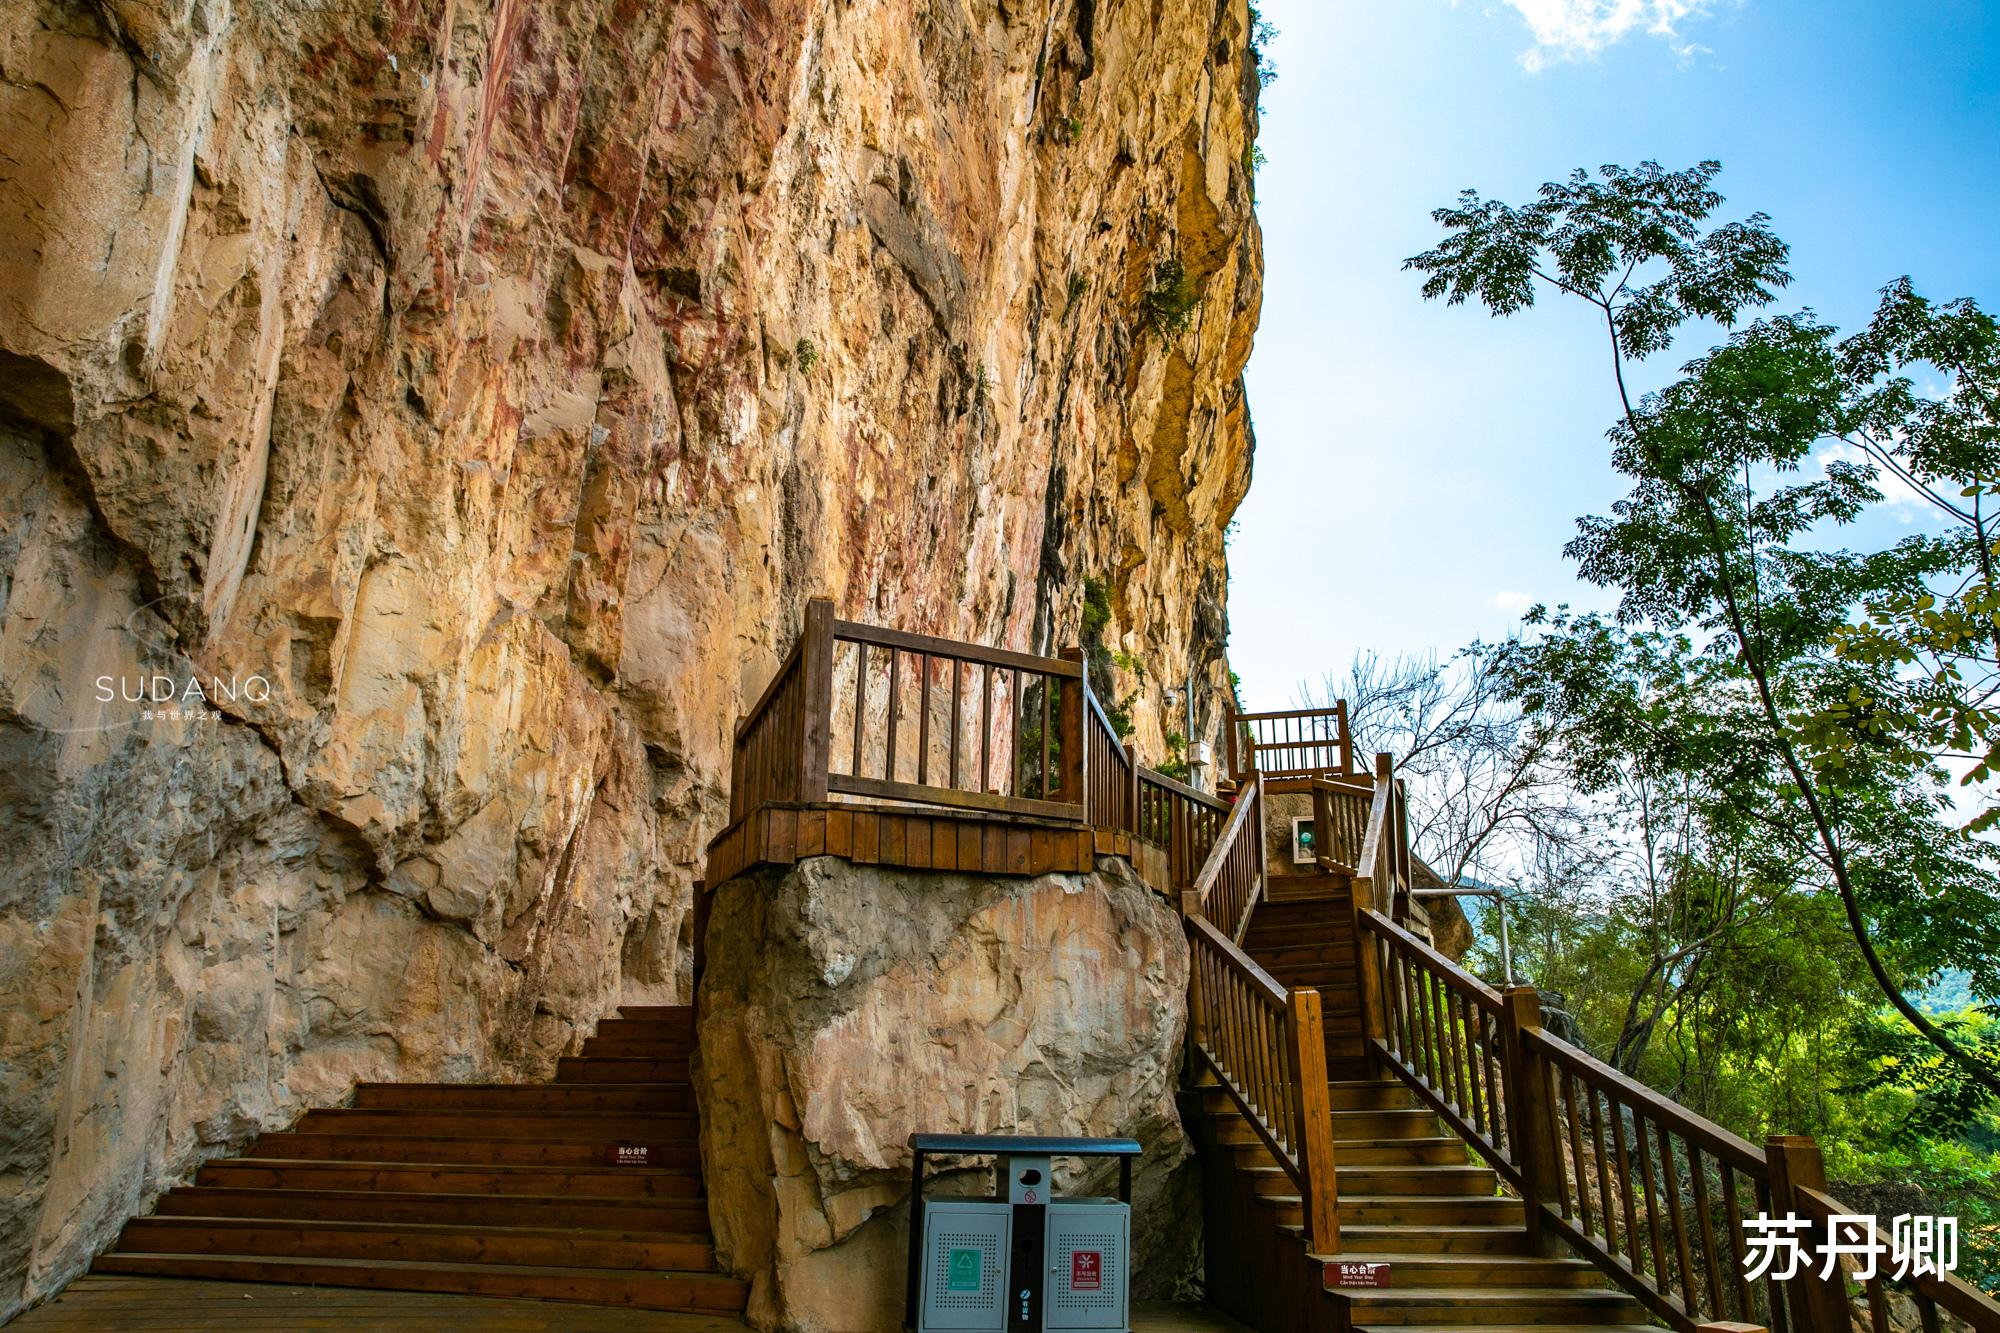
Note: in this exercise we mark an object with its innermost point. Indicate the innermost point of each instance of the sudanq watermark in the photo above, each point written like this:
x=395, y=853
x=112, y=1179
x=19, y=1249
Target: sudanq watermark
x=163, y=698
x=156, y=683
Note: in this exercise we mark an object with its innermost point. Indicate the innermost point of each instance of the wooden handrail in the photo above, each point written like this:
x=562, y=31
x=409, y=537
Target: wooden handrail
x=1231, y=879
x=853, y=631
x=1932, y=1293
x=1307, y=742
x=1651, y=1193
x=1267, y=1050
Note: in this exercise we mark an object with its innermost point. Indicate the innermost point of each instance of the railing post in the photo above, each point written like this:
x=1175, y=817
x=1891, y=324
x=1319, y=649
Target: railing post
x=1322, y=822
x=1069, y=733
x=1368, y=971
x=1531, y=1115
x=1178, y=869
x=1319, y=1189
x=816, y=679
x=1235, y=725
x=1131, y=789
x=1795, y=1164
x=1346, y=737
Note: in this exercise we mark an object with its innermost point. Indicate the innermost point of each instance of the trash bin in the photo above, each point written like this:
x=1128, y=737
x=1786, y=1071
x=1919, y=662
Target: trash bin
x=1023, y=1261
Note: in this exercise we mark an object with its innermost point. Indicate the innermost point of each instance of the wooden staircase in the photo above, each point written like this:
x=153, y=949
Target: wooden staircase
x=587, y=1189
x=1411, y=1196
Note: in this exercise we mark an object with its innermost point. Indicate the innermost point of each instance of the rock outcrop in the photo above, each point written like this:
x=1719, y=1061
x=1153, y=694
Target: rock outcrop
x=463, y=397
x=847, y=1007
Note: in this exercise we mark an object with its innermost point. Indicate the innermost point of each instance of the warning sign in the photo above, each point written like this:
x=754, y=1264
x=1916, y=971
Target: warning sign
x=1086, y=1270
x=1356, y=1275
x=629, y=1154
x=963, y=1270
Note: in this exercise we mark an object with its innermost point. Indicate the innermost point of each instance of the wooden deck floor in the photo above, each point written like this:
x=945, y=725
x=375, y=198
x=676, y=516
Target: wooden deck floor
x=101, y=1303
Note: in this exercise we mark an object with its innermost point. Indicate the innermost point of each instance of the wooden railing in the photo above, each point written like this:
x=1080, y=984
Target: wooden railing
x=1267, y=1049
x=1297, y=743
x=1111, y=772
x=1929, y=1292
x=1226, y=888
x=1340, y=820
x=772, y=760
x=1186, y=822
x=1653, y=1194
x=945, y=723
x=859, y=711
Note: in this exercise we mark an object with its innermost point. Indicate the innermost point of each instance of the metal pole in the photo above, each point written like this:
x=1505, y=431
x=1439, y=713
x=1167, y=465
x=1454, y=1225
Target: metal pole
x=1499, y=903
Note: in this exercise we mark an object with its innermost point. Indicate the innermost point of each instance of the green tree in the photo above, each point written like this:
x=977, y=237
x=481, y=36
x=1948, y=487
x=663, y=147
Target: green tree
x=1725, y=532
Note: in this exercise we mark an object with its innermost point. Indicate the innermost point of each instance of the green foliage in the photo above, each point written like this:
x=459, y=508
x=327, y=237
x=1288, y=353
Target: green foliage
x=1805, y=740
x=1100, y=660
x=1069, y=129
x=1169, y=304
x=1262, y=33
x=806, y=354
x=1078, y=285
x=1175, y=765
x=1253, y=158
x=982, y=387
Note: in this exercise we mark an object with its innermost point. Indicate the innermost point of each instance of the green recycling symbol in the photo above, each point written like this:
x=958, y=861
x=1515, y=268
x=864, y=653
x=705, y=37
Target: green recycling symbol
x=963, y=1270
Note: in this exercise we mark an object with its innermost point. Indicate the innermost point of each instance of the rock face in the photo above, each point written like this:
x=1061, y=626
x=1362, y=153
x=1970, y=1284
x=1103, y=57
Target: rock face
x=466, y=396
x=847, y=1007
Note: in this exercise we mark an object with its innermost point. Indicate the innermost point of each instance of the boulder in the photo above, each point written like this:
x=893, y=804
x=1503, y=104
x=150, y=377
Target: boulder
x=846, y=1007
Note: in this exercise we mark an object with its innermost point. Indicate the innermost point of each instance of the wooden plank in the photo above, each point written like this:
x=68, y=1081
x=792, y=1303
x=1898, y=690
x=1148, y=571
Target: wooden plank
x=782, y=841
x=812, y=834
x=993, y=849
x=867, y=837
x=840, y=833
x=919, y=843
x=816, y=742
x=895, y=840
x=853, y=632
x=1021, y=843
x=984, y=802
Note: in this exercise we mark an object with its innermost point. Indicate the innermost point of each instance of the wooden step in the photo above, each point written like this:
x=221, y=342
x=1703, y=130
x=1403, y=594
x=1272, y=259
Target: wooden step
x=1371, y=1094
x=635, y=1044
x=684, y=1216
x=1400, y=1180
x=678, y=1013
x=541, y=1127
x=1486, y=1307
x=1381, y=1122
x=1447, y=1269
x=672, y=1031
x=692, y=1292
x=356, y=1147
x=1471, y=1239
x=534, y=1098
x=1430, y=1210
x=446, y=1243
x=622, y=1069
x=597, y=1181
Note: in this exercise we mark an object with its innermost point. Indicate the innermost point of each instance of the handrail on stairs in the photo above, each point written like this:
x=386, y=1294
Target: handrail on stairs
x=1654, y=1195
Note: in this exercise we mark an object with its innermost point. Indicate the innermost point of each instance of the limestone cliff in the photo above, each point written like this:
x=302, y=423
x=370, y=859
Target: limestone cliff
x=467, y=394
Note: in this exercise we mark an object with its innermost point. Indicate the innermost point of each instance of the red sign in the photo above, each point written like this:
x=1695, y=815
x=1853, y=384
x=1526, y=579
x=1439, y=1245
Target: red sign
x=1086, y=1270
x=629, y=1154
x=1356, y=1275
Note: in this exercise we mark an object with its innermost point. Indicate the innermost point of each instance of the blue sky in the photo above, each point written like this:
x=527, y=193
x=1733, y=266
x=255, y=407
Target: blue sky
x=1456, y=450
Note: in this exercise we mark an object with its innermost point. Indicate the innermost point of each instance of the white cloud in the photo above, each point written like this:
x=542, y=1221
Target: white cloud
x=1575, y=29
x=1513, y=603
